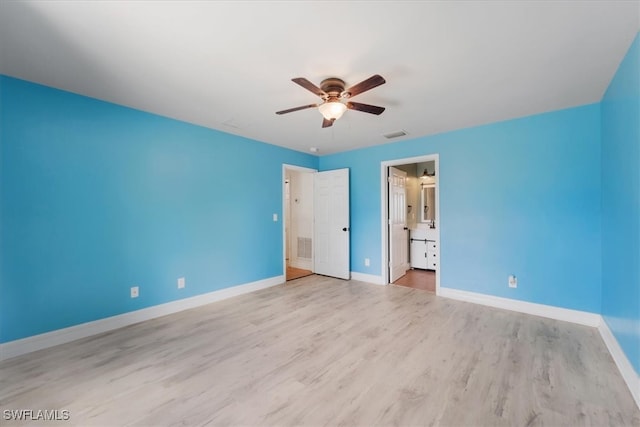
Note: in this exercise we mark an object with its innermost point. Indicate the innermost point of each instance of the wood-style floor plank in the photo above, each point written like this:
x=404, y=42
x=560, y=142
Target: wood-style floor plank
x=418, y=279
x=293, y=273
x=322, y=351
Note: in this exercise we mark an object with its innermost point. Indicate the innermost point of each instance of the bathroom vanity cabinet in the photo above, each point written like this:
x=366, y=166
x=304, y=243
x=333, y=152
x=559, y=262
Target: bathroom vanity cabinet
x=423, y=249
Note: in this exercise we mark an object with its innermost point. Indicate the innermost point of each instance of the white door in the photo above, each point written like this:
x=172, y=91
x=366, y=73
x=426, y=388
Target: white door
x=331, y=223
x=398, y=239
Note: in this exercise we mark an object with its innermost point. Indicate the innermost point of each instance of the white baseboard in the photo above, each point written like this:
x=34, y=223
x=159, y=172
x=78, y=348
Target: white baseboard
x=369, y=278
x=61, y=336
x=624, y=366
x=551, y=312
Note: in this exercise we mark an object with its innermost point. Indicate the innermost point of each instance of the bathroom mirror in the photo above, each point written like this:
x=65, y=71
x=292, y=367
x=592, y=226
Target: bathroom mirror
x=428, y=196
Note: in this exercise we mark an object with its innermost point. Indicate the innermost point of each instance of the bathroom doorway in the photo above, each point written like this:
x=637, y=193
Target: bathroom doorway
x=411, y=232
x=298, y=222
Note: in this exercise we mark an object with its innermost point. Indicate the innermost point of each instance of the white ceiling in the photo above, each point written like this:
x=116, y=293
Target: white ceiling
x=228, y=65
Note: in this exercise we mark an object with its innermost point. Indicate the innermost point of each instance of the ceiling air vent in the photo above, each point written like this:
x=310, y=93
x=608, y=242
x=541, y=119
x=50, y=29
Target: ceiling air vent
x=395, y=134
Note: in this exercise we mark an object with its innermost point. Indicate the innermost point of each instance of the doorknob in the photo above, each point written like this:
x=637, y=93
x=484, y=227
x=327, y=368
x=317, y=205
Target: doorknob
x=345, y=229
x=406, y=228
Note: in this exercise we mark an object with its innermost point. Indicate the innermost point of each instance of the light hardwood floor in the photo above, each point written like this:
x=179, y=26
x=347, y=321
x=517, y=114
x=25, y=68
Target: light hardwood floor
x=322, y=351
x=418, y=279
x=296, y=273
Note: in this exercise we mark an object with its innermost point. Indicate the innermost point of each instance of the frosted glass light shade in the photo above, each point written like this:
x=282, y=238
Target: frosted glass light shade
x=332, y=110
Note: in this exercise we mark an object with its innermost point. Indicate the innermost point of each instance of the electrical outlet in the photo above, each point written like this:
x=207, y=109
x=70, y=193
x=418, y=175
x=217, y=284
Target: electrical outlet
x=513, y=281
x=135, y=292
x=181, y=283
x=275, y=217
x=367, y=262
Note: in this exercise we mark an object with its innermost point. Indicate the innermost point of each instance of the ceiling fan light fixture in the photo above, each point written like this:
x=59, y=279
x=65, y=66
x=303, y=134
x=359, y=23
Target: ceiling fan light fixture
x=332, y=90
x=332, y=110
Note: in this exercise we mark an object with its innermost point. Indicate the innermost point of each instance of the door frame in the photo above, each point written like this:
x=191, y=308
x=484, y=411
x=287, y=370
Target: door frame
x=303, y=169
x=384, y=212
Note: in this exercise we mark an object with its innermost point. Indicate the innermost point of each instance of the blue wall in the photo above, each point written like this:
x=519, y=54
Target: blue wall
x=621, y=205
x=517, y=197
x=96, y=198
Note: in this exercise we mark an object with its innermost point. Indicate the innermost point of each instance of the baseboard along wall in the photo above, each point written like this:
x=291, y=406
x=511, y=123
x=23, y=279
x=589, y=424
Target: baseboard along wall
x=549, y=311
x=368, y=278
x=65, y=335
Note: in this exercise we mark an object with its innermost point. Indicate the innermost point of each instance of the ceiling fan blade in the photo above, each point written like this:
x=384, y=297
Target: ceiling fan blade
x=291, y=110
x=309, y=86
x=363, y=86
x=372, y=109
x=327, y=123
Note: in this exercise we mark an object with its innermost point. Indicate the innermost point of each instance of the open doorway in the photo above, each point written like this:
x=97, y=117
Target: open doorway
x=410, y=221
x=298, y=214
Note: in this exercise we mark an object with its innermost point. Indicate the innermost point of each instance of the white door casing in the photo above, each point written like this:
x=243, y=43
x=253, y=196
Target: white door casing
x=287, y=242
x=398, y=239
x=331, y=223
x=384, y=212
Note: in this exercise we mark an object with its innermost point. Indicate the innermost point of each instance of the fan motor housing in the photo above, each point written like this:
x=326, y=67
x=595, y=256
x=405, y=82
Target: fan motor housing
x=333, y=86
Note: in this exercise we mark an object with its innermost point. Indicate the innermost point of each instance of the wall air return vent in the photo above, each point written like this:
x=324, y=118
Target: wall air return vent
x=304, y=247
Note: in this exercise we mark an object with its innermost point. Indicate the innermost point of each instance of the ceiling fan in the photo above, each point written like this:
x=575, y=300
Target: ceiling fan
x=332, y=91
